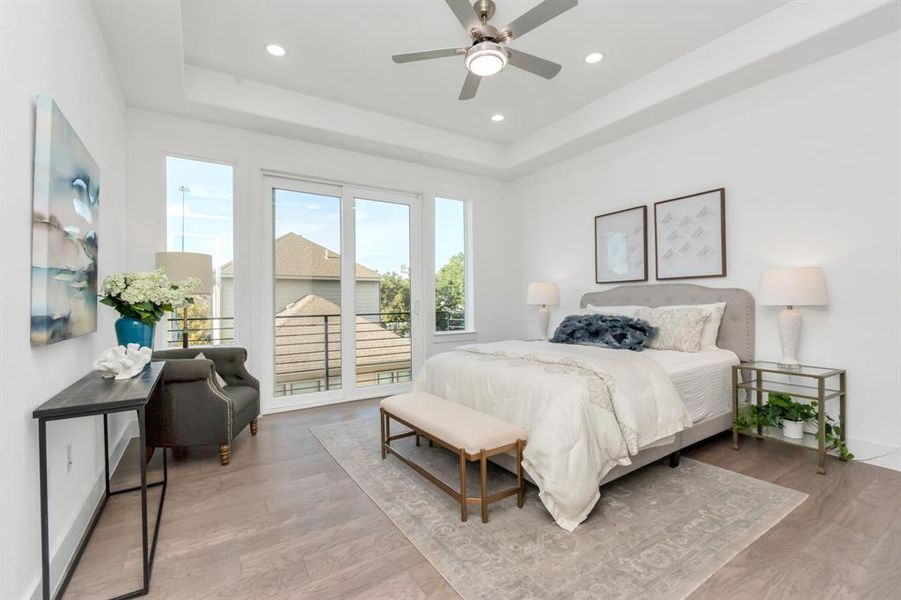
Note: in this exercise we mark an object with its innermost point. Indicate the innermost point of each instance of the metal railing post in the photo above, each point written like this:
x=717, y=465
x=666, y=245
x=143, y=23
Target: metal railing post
x=325, y=321
x=184, y=329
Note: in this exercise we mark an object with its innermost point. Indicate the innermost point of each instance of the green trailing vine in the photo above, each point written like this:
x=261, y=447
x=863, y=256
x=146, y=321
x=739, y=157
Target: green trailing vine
x=781, y=406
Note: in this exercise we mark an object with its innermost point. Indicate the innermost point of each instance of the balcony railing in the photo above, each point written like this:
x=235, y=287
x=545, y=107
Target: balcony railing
x=308, y=347
x=308, y=351
x=199, y=331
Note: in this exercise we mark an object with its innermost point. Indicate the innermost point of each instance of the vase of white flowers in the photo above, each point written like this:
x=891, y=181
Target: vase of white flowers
x=142, y=298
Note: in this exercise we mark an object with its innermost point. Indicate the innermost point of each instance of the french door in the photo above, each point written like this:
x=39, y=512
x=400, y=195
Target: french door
x=344, y=279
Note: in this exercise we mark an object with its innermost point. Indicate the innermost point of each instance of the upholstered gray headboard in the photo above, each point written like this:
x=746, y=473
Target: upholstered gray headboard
x=736, y=330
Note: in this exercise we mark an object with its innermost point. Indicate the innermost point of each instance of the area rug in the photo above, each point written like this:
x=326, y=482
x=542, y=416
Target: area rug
x=656, y=533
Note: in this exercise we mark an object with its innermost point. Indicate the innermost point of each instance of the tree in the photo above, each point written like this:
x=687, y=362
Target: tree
x=200, y=332
x=450, y=294
x=394, y=302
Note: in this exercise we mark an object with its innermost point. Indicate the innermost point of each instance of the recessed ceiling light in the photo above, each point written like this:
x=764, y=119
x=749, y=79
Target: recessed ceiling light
x=594, y=57
x=497, y=118
x=275, y=50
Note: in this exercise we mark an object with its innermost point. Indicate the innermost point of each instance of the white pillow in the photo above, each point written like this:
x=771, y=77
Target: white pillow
x=714, y=314
x=625, y=311
x=677, y=328
x=218, y=377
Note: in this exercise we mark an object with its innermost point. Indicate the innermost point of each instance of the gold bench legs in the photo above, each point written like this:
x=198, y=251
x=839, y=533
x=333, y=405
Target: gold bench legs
x=483, y=499
x=483, y=464
x=464, y=512
x=520, y=497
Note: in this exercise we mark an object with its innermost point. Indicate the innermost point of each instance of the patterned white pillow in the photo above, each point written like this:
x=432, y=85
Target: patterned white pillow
x=216, y=374
x=677, y=328
x=714, y=314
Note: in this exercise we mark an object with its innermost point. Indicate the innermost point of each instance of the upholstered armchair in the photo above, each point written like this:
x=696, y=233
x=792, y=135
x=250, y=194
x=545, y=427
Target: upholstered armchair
x=193, y=409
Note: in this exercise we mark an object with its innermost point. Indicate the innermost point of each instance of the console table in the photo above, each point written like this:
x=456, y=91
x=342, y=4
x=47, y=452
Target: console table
x=95, y=395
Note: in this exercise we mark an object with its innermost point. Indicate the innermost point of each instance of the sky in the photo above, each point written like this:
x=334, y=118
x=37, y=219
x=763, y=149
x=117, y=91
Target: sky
x=382, y=228
x=208, y=213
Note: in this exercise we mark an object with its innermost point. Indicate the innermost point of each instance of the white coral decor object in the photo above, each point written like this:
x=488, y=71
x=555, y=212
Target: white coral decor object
x=122, y=362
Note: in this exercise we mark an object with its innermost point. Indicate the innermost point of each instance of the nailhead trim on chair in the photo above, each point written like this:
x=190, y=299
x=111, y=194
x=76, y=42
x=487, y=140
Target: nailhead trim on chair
x=228, y=406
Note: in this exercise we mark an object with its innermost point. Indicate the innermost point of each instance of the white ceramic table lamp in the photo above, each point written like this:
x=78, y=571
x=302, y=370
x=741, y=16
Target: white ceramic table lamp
x=543, y=295
x=791, y=287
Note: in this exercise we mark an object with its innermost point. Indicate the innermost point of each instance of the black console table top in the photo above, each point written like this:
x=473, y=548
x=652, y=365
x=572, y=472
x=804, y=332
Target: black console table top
x=92, y=394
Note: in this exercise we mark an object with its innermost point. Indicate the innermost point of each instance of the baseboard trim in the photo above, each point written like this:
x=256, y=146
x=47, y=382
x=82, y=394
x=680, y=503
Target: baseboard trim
x=381, y=391
x=875, y=453
x=63, y=554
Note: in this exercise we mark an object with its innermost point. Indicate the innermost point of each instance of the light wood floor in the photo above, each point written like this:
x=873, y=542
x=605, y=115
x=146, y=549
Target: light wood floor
x=285, y=521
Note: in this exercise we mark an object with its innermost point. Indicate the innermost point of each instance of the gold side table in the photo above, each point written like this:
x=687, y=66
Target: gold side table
x=817, y=383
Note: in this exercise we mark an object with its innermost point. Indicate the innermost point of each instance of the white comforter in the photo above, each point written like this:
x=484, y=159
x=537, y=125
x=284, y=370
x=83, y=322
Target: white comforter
x=585, y=410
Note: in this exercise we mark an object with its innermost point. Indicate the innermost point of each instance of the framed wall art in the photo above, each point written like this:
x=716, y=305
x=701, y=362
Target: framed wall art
x=65, y=222
x=620, y=246
x=690, y=236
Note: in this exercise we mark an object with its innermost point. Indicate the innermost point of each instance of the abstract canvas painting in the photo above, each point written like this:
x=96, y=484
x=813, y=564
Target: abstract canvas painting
x=65, y=222
x=620, y=246
x=690, y=236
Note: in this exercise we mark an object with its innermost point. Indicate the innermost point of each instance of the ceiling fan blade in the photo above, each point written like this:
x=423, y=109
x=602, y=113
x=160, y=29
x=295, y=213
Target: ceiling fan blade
x=427, y=55
x=464, y=12
x=539, y=15
x=533, y=64
x=470, y=86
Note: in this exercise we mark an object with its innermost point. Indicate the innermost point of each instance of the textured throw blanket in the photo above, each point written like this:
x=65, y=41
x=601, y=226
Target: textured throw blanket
x=609, y=331
x=585, y=409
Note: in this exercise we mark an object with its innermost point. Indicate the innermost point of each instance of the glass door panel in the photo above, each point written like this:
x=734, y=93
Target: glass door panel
x=382, y=293
x=306, y=291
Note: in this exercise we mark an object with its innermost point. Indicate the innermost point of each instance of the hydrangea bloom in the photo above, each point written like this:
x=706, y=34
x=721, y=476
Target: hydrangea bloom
x=147, y=295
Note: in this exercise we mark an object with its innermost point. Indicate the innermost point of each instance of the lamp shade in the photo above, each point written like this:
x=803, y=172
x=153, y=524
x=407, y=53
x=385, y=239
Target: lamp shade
x=793, y=286
x=543, y=294
x=181, y=265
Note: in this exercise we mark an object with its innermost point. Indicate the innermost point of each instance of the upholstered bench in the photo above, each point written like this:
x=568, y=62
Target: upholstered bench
x=471, y=435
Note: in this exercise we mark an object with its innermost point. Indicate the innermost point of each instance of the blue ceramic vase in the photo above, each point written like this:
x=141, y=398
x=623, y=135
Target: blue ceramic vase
x=133, y=331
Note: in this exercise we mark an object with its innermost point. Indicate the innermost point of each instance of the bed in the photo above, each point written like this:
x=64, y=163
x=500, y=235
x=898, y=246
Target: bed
x=595, y=414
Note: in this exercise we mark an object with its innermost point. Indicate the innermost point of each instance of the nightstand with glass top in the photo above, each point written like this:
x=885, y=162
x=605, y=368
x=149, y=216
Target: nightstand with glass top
x=800, y=382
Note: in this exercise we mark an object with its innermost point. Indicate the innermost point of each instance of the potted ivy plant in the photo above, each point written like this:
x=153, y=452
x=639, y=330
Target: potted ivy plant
x=793, y=414
x=780, y=411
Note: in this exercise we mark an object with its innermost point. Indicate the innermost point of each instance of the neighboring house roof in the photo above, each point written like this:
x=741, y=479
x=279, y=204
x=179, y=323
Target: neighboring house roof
x=296, y=257
x=300, y=343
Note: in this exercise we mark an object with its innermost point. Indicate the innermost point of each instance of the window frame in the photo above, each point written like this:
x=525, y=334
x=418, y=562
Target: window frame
x=232, y=164
x=469, y=329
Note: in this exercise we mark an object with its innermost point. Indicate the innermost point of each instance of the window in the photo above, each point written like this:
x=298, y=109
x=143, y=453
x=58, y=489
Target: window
x=451, y=266
x=199, y=218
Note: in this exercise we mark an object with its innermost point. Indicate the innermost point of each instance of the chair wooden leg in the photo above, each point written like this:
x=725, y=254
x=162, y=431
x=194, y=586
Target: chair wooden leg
x=483, y=460
x=519, y=482
x=464, y=514
x=225, y=453
x=253, y=427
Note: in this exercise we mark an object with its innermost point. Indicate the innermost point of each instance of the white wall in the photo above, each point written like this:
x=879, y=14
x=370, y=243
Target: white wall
x=495, y=223
x=810, y=163
x=57, y=49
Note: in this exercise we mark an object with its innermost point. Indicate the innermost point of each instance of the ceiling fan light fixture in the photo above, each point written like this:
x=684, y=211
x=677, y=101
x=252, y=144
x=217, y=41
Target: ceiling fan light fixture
x=486, y=58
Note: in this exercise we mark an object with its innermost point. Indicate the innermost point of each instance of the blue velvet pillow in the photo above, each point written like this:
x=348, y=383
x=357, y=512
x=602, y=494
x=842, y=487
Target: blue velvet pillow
x=610, y=331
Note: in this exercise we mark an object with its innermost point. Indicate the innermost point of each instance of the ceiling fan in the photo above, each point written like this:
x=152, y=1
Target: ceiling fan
x=489, y=54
